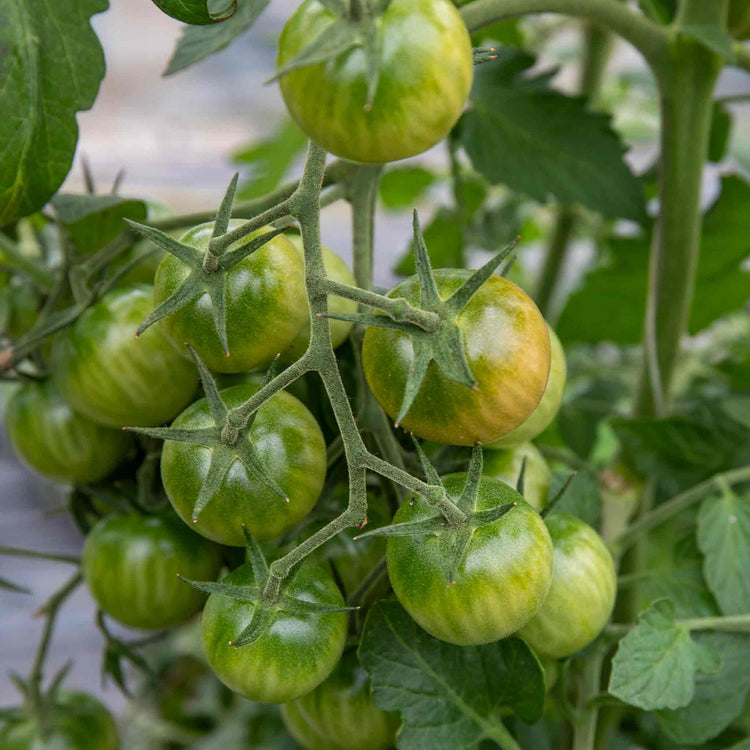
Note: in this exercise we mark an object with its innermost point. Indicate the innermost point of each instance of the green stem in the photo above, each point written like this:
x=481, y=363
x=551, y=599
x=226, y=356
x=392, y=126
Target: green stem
x=20, y=552
x=729, y=624
x=363, y=195
x=502, y=736
x=584, y=728
x=676, y=505
x=555, y=258
x=645, y=35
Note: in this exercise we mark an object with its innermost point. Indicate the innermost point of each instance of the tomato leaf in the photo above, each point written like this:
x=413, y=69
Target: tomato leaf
x=515, y=122
x=719, y=698
x=724, y=539
x=198, y=42
x=617, y=288
x=581, y=498
x=656, y=662
x=44, y=86
x=93, y=220
x=404, y=186
x=711, y=36
x=448, y=695
x=199, y=12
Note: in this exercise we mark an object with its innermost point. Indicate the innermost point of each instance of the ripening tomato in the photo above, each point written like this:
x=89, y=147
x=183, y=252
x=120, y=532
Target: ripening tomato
x=505, y=465
x=131, y=563
x=291, y=449
x=56, y=441
x=426, y=70
x=503, y=578
x=339, y=714
x=582, y=594
x=108, y=375
x=293, y=656
x=266, y=303
x=508, y=350
x=547, y=408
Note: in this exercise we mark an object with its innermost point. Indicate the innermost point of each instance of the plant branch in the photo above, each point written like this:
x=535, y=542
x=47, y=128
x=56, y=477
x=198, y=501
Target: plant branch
x=20, y=552
x=728, y=624
x=584, y=726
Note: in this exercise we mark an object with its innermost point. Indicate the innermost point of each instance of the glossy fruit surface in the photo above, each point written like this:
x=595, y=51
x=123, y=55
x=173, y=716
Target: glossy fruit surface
x=340, y=714
x=108, y=375
x=336, y=270
x=582, y=594
x=507, y=348
x=56, y=441
x=425, y=76
x=131, y=563
x=501, y=582
x=548, y=406
x=505, y=465
x=77, y=721
x=290, y=447
x=266, y=304
x=293, y=656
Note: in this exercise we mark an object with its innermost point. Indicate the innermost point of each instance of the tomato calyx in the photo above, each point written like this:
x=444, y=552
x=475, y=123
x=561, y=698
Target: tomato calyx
x=267, y=602
x=209, y=270
x=226, y=445
x=454, y=537
x=445, y=344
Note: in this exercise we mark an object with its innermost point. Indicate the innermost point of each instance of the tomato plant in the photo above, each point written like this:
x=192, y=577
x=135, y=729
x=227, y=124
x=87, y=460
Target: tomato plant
x=418, y=40
x=108, y=375
x=131, y=564
x=55, y=441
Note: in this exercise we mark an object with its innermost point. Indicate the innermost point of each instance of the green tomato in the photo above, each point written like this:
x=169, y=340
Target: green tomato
x=339, y=714
x=582, y=595
x=336, y=270
x=506, y=466
x=426, y=70
x=266, y=303
x=56, y=441
x=131, y=564
x=507, y=348
x=501, y=582
x=293, y=656
x=108, y=375
x=76, y=721
x=291, y=448
x=547, y=408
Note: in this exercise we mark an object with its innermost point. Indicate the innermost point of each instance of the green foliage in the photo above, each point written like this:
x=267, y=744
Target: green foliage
x=448, y=696
x=581, y=498
x=404, y=186
x=516, y=121
x=656, y=662
x=199, y=12
x=43, y=88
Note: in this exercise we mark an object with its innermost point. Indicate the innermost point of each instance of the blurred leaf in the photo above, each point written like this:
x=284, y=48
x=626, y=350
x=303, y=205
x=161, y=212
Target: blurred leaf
x=581, y=499
x=198, y=12
x=712, y=36
x=738, y=409
x=719, y=698
x=449, y=696
x=721, y=126
x=44, y=85
x=505, y=33
x=198, y=42
x=521, y=133
x=93, y=220
x=656, y=662
x=270, y=159
x=724, y=538
x=611, y=302
x=402, y=187
x=662, y=11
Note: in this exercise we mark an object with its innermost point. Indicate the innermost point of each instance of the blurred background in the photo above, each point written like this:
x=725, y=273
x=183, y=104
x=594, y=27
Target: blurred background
x=175, y=138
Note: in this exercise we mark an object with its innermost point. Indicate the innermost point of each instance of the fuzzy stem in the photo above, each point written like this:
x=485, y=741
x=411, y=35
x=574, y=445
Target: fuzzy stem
x=363, y=194
x=584, y=728
x=728, y=624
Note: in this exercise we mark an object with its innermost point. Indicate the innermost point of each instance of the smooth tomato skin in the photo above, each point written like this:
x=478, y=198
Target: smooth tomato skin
x=266, y=303
x=131, y=563
x=336, y=270
x=76, y=722
x=292, y=450
x=508, y=350
x=505, y=465
x=499, y=586
x=293, y=657
x=108, y=375
x=547, y=408
x=57, y=442
x=582, y=595
x=340, y=714
x=425, y=79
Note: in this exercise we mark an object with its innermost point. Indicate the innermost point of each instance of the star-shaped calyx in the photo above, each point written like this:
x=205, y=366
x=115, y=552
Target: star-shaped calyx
x=266, y=607
x=445, y=344
x=208, y=271
x=225, y=448
x=453, y=539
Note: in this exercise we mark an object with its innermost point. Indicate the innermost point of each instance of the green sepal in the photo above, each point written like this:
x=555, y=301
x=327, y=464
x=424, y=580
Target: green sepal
x=188, y=254
x=224, y=214
x=255, y=557
x=434, y=525
x=303, y=607
x=484, y=517
x=249, y=594
x=521, y=478
x=453, y=548
x=429, y=470
x=544, y=512
x=203, y=436
x=469, y=494
x=484, y=55
x=260, y=623
x=221, y=459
